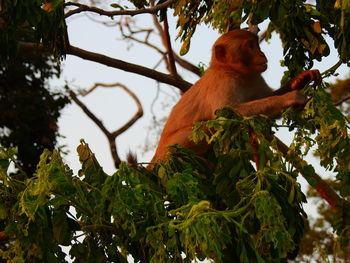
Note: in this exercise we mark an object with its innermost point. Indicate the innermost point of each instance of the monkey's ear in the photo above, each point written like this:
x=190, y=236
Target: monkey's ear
x=220, y=53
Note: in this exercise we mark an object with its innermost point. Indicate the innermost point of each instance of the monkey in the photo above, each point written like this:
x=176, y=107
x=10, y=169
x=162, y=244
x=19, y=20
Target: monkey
x=233, y=78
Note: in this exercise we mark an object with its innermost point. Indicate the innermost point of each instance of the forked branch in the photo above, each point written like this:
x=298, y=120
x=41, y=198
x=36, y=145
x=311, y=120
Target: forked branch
x=111, y=136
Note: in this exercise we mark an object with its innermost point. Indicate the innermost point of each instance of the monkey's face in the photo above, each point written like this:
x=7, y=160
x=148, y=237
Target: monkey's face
x=239, y=51
x=254, y=60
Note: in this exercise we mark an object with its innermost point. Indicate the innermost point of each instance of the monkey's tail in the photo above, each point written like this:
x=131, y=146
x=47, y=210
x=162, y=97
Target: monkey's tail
x=131, y=159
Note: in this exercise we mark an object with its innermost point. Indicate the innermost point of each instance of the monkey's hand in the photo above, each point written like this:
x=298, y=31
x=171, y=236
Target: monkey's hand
x=294, y=98
x=305, y=77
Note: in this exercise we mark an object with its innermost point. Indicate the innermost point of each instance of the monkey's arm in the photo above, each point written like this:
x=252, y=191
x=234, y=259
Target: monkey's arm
x=300, y=81
x=271, y=106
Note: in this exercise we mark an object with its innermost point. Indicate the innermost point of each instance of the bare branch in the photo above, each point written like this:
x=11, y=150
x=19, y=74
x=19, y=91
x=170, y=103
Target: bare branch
x=136, y=116
x=342, y=100
x=111, y=136
x=187, y=65
x=332, y=69
x=129, y=67
x=178, y=82
x=182, y=62
x=85, y=8
x=144, y=42
x=252, y=28
x=170, y=52
x=89, y=113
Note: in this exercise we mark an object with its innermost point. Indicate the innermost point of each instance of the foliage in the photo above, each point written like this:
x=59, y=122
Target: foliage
x=184, y=209
x=302, y=25
x=325, y=244
x=28, y=18
x=177, y=210
x=181, y=210
x=178, y=204
x=29, y=109
x=321, y=123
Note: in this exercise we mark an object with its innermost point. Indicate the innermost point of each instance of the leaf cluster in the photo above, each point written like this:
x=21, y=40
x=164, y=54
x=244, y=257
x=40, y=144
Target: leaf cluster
x=29, y=18
x=185, y=208
x=223, y=15
x=30, y=109
x=303, y=26
x=180, y=211
x=323, y=125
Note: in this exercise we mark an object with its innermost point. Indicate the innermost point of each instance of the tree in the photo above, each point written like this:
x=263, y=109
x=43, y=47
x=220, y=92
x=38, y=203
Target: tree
x=29, y=109
x=183, y=209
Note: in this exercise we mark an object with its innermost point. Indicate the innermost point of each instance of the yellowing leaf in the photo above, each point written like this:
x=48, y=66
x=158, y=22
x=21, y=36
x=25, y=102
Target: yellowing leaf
x=83, y=151
x=337, y=4
x=47, y=7
x=185, y=47
x=317, y=27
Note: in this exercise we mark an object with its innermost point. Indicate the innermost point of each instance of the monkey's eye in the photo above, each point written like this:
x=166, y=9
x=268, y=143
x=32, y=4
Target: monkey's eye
x=250, y=44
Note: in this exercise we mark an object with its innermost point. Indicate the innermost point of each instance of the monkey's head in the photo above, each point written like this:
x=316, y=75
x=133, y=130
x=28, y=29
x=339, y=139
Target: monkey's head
x=239, y=51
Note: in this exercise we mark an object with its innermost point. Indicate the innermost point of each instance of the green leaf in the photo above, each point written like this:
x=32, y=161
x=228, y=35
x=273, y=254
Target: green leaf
x=115, y=5
x=61, y=228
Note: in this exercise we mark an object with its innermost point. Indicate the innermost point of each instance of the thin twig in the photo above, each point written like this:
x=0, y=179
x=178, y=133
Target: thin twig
x=144, y=42
x=182, y=62
x=331, y=70
x=252, y=28
x=168, y=48
x=342, y=100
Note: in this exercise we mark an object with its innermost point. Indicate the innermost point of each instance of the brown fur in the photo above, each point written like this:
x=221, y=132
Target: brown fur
x=234, y=79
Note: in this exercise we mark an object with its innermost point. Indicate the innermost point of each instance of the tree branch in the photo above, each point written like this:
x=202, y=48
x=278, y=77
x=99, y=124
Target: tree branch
x=111, y=136
x=183, y=63
x=144, y=42
x=187, y=65
x=342, y=100
x=332, y=69
x=84, y=8
x=89, y=113
x=325, y=191
x=169, y=49
x=129, y=67
x=180, y=83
